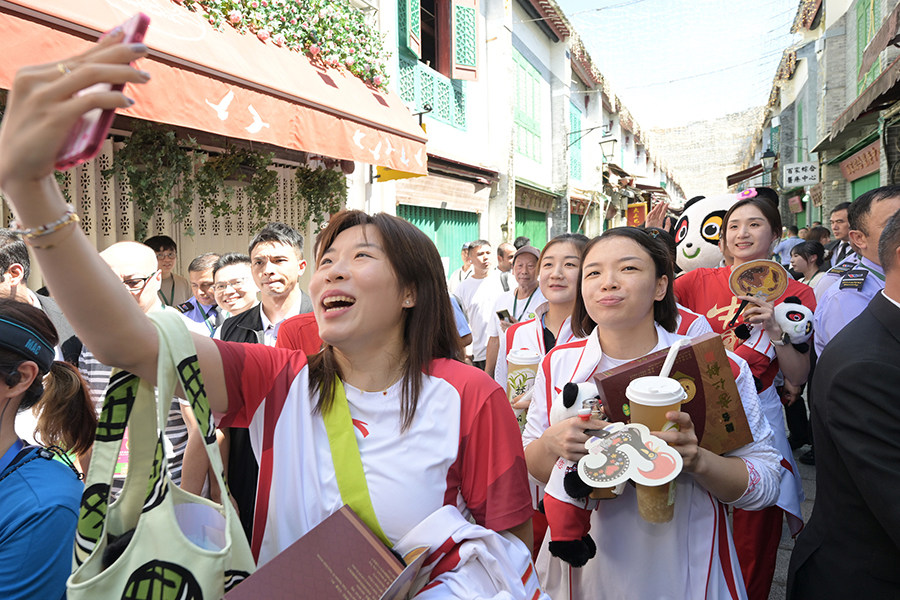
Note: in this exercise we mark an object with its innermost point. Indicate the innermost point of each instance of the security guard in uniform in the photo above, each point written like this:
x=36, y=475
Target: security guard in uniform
x=846, y=299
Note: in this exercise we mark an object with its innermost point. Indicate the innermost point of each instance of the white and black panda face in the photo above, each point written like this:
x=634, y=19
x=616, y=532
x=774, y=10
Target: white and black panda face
x=697, y=231
x=795, y=319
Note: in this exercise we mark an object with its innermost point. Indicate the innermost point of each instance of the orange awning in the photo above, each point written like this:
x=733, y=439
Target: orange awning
x=223, y=82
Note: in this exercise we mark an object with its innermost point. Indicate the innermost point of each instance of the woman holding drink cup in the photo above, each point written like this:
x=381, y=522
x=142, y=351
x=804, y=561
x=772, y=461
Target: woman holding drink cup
x=559, y=268
x=626, y=309
x=750, y=229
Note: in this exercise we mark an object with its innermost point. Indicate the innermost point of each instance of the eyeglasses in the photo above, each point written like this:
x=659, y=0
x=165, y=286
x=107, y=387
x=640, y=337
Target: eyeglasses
x=137, y=284
x=234, y=283
x=164, y=255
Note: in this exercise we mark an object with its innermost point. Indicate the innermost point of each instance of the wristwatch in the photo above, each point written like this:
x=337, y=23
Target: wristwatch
x=785, y=340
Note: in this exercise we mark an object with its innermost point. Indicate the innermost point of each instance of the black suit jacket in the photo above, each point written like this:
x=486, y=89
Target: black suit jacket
x=851, y=546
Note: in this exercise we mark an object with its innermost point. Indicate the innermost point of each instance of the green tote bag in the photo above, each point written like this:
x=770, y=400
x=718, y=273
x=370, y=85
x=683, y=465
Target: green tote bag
x=183, y=546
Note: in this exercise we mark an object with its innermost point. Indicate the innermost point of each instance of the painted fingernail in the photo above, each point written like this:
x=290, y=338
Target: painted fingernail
x=115, y=32
x=129, y=101
x=144, y=75
x=138, y=47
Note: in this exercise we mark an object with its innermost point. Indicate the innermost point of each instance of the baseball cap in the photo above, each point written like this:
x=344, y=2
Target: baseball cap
x=527, y=250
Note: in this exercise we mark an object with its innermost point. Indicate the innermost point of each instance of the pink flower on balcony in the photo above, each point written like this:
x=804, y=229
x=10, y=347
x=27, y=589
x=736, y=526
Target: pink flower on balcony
x=313, y=49
x=293, y=21
x=351, y=50
x=254, y=4
x=378, y=80
x=264, y=3
x=234, y=17
x=262, y=34
x=278, y=40
x=349, y=61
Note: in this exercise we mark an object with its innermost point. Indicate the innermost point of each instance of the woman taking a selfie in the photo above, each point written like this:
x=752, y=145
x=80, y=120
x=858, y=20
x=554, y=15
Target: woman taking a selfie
x=750, y=229
x=40, y=490
x=431, y=431
x=625, y=310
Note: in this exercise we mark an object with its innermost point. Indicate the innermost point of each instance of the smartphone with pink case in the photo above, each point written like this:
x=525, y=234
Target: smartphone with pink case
x=89, y=132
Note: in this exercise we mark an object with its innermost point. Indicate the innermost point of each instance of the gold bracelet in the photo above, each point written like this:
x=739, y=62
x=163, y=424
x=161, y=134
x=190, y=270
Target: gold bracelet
x=30, y=242
x=35, y=232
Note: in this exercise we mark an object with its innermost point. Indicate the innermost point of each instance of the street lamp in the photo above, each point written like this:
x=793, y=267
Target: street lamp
x=767, y=160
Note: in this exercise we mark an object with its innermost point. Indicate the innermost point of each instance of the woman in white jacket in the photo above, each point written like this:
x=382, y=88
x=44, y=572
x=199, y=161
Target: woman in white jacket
x=626, y=309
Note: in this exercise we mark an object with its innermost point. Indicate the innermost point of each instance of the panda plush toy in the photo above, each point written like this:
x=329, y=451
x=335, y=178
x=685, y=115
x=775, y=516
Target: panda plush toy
x=566, y=503
x=700, y=224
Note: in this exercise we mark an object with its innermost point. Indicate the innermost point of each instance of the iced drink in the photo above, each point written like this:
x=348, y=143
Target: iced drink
x=649, y=399
x=522, y=368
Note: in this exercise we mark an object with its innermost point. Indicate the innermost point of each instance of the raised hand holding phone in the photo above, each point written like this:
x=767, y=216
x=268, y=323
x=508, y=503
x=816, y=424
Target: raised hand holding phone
x=86, y=137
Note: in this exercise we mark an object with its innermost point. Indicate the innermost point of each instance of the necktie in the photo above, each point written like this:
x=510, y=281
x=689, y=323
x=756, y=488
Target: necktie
x=842, y=252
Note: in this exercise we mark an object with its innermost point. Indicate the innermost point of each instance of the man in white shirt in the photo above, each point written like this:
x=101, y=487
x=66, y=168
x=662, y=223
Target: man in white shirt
x=519, y=303
x=505, y=253
x=463, y=272
x=477, y=295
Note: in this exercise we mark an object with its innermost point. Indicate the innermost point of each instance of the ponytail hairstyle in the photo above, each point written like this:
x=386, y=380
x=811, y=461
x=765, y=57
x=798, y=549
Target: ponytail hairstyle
x=67, y=417
x=67, y=414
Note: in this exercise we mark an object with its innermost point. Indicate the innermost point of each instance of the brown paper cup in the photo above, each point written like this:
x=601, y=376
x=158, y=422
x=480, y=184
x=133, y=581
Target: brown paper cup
x=649, y=399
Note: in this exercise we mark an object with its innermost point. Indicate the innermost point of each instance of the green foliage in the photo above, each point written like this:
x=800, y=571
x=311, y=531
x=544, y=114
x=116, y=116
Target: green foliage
x=330, y=32
x=319, y=191
x=154, y=162
x=243, y=167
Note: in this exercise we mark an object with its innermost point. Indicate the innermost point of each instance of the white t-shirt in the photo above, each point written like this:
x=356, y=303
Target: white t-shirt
x=478, y=298
x=692, y=556
x=463, y=447
x=519, y=309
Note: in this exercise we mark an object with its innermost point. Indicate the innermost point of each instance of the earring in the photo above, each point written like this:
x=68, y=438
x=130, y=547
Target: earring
x=406, y=303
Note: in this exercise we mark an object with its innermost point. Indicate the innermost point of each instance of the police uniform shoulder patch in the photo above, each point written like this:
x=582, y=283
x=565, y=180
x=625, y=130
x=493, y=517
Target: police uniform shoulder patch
x=842, y=268
x=185, y=307
x=854, y=279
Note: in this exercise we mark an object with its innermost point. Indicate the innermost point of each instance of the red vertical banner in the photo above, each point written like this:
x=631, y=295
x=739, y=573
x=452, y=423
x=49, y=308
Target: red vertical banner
x=636, y=214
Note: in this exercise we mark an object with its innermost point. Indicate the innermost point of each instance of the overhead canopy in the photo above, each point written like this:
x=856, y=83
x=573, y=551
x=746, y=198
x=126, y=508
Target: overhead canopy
x=880, y=94
x=744, y=175
x=223, y=82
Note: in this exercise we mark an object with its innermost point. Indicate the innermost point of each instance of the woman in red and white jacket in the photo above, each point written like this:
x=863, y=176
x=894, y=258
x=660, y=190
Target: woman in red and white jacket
x=559, y=269
x=626, y=309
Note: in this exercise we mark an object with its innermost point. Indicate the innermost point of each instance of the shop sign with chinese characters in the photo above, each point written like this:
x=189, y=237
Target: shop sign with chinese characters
x=866, y=161
x=797, y=174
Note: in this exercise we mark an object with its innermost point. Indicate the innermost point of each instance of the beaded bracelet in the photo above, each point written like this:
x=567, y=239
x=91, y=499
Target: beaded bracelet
x=35, y=232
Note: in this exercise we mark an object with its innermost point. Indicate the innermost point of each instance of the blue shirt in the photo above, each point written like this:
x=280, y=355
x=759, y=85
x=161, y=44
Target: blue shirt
x=837, y=307
x=783, y=249
x=39, y=504
x=205, y=315
x=462, y=325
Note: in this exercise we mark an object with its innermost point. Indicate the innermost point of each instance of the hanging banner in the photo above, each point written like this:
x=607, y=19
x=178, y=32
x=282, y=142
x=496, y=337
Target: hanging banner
x=636, y=214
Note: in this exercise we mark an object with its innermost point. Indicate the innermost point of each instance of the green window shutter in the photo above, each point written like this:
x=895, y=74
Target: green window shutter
x=528, y=108
x=575, y=135
x=410, y=26
x=464, y=51
x=448, y=229
x=532, y=224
